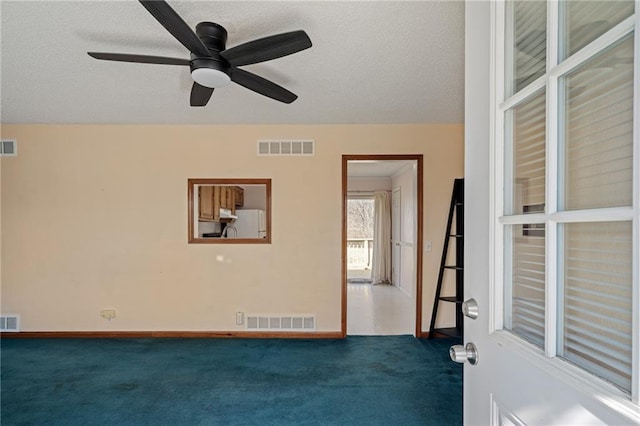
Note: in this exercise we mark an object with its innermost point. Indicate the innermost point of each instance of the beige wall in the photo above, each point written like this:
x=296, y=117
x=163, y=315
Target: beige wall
x=368, y=184
x=95, y=217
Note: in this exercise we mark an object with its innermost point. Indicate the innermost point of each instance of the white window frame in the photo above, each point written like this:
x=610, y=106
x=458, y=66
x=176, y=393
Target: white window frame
x=552, y=218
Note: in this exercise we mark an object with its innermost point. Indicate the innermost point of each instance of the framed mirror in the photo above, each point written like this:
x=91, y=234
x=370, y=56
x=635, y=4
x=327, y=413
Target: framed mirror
x=229, y=211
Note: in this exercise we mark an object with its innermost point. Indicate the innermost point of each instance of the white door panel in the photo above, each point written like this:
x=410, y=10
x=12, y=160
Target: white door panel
x=396, y=238
x=512, y=383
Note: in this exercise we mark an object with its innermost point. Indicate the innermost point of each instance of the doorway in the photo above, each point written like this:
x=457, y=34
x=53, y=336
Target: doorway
x=382, y=267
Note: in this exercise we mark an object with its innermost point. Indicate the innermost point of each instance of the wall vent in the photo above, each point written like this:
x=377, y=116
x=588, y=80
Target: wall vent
x=287, y=147
x=9, y=323
x=282, y=323
x=8, y=147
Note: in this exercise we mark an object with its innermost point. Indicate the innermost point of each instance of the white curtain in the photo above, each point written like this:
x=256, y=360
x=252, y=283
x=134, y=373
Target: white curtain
x=381, y=268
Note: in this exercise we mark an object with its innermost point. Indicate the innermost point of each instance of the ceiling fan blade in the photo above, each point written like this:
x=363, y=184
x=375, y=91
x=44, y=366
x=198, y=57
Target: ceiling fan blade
x=200, y=95
x=141, y=59
x=176, y=26
x=261, y=85
x=268, y=48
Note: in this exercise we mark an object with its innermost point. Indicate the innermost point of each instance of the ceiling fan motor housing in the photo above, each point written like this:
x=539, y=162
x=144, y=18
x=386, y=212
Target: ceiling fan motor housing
x=213, y=71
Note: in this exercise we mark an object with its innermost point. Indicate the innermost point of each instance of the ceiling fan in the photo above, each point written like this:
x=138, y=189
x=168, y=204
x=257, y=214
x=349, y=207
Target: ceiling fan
x=212, y=64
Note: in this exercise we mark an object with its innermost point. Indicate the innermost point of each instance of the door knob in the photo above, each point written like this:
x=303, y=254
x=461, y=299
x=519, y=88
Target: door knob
x=470, y=308
x=460, y=354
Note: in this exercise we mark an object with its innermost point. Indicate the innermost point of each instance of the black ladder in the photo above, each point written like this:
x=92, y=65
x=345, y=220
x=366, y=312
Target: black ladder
x=456, y=208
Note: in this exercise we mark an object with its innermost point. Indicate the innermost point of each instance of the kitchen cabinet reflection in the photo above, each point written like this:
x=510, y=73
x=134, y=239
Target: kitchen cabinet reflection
x=228, y=211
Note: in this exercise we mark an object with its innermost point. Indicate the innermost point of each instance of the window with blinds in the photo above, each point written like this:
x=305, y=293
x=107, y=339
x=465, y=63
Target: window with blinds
x=528, y=159
x=598, y=117
x=525, y=243
x=526, y=43
x=584, y=21
x=568, y=194
x=596, y=308
x=524, y=299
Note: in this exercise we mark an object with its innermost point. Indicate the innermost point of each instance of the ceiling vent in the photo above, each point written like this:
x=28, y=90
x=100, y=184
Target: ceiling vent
x=8, y=147
x=9, y=323
x=288, y=147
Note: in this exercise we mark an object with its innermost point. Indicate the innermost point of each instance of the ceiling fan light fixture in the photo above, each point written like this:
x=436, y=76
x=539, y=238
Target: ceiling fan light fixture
x=209, y=77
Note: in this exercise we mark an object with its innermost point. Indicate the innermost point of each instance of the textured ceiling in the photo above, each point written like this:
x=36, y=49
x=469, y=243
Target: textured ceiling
x=371, y=62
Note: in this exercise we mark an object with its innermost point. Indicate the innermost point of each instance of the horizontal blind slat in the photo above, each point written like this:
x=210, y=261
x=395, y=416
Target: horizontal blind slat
x=613, y=359
x=575, y=324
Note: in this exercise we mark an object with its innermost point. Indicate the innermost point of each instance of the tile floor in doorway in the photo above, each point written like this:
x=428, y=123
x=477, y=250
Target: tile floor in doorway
x=374, y=310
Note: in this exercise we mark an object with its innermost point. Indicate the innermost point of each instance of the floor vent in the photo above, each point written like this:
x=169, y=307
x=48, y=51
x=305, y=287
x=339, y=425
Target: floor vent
x=9, y=323
x=295, y=147
x=282, y=323
x=8, y=147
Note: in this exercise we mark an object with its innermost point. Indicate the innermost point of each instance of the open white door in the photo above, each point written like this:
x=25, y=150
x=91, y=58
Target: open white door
x=396, y=238
x=557, y=339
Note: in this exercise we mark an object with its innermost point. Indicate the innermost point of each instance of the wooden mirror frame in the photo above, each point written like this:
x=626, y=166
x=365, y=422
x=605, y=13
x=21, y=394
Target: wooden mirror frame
x=192, y=221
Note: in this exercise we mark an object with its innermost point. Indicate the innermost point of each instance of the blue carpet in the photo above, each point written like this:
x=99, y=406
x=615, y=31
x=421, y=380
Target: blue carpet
x=387, y=380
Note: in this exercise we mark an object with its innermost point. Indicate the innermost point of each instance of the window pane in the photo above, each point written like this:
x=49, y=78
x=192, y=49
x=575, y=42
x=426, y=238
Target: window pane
x=526, y=43
x=528, y=159
x=587, y=20
x=596, y=333
x=524, y=281
x=598, y=141
x=360, y=218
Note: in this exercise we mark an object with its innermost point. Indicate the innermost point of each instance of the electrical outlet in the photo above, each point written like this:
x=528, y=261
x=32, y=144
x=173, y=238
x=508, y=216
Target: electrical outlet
x=427, y=246
x=108, y=314
x=239, y=318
